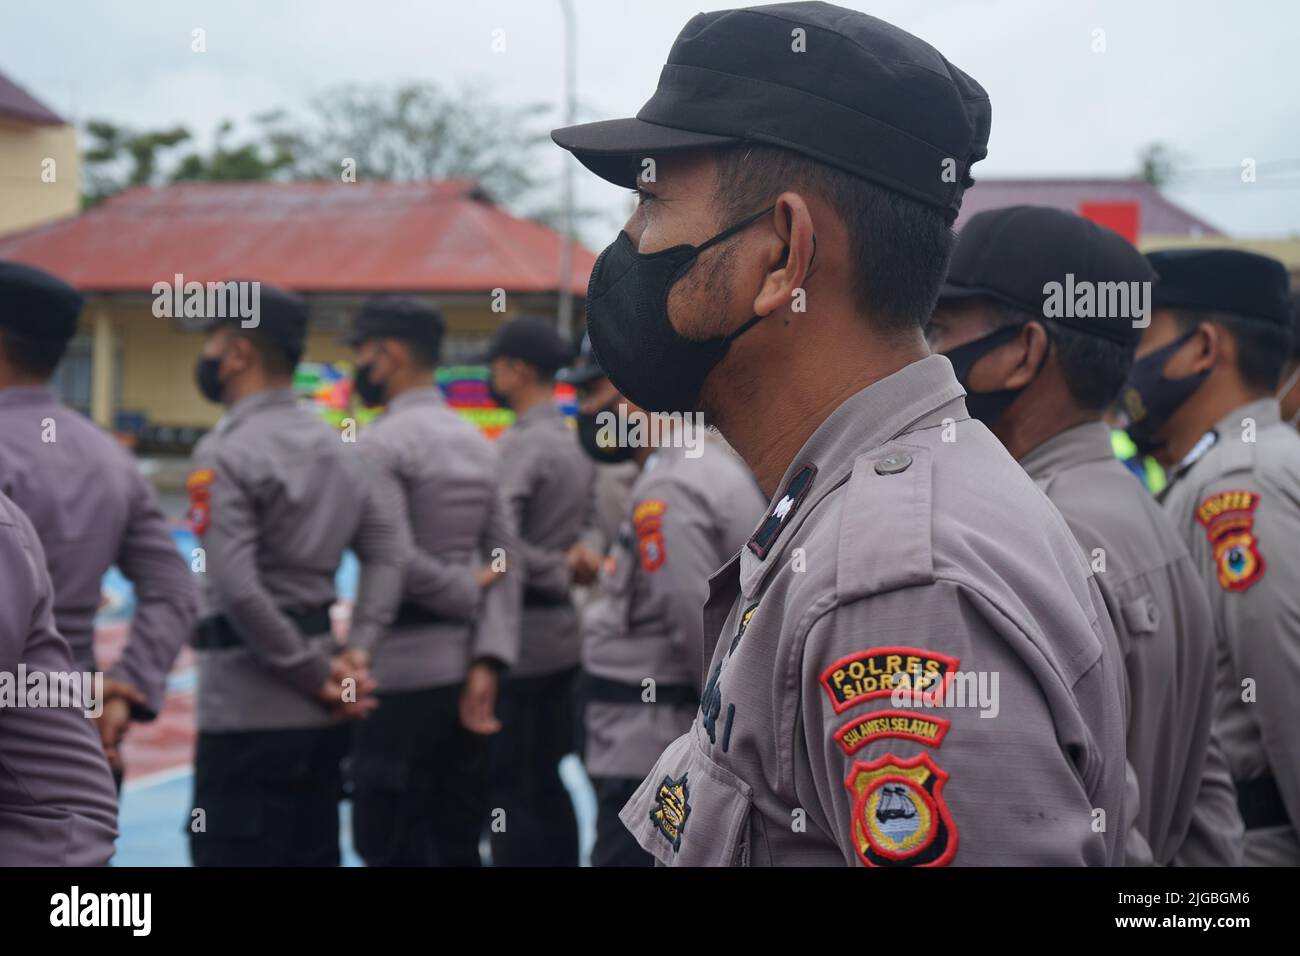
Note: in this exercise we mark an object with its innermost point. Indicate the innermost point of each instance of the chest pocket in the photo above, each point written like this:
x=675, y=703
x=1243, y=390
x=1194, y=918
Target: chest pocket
x=1142, y=615
x=690, y=811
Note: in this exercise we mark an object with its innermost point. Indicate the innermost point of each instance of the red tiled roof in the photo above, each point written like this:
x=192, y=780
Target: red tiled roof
x=17, y=103
x=311, y=237
x=1156, y=214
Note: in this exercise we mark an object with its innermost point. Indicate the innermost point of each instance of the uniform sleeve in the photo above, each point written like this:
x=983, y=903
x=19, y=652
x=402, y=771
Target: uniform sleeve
x=18, y=576
x=677, y=552
x=230, y=540
x=896, y=784
x=523, y=473
x=1216, y=834
x=496, y=636
x=383, y=555
x=1248, y=553
x=166, y=599
x=448, y=589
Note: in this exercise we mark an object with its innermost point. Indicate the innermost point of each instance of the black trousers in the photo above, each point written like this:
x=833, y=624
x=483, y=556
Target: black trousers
x=538, y=717
x=268, y=798
x=418, y=782
x=614, y=844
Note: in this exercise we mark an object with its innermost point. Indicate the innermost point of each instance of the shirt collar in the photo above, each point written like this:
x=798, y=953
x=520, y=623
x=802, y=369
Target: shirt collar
x=542, y=411
x=424, y=395
x=1074, y=446
x=252, y=404
x=27, y=395
x=1265, y=412
x=911, y=397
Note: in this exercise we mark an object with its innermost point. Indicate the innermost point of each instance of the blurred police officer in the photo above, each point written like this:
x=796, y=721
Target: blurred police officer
x=1288, y=392
x=1040, y=364
x=276, y=497
x=548, y=483
x=777, y=274
x=90, y=505
x=419, y=761
x=644, y=646
x=1203, y=398
x=57, y=805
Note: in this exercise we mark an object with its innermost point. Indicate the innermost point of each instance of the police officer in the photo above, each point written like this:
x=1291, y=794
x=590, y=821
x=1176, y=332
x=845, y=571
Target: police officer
x=644, y=646
x=91, y=506
x=777, y=274
x=57, y=805
x=1040, y=314
x=1203, y=397
x=548, y=483
x=276, y=497
x=419, y=762
x=1288, y=393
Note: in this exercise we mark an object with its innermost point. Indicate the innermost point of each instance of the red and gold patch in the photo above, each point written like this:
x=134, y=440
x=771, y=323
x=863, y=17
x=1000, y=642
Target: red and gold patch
x=899, y=815
x=199, y=485
x=876, y=672
x=1229, y=520
x=860, y=731
x=647, y=521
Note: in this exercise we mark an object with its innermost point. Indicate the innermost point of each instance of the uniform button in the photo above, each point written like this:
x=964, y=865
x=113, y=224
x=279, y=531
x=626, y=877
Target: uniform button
x=893, y=464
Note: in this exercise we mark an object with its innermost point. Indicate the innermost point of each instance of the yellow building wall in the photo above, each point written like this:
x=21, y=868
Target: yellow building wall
x=26, y=198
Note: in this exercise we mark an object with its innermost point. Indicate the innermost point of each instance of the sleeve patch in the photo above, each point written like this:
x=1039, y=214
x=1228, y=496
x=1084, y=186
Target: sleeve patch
x=647, y=520
x=878, y=671
x=860, y=731
x=1229, y=520
x=199, y=486
x=900, y=817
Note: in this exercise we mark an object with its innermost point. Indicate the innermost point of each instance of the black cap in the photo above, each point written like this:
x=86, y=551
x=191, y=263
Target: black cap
x=37, y=305
x=585, y=369
x=1013, y=254
x=278, y=316
x=1295, y=323
x=530, y=339
x=1223, y=280
x=398, y=317
x=850, y=91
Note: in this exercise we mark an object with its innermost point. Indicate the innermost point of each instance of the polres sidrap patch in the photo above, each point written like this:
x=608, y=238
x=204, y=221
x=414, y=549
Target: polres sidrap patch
x=900, y=817
x=198, y=484
x=647, y=520
x=1229, y=521
x=878, y=671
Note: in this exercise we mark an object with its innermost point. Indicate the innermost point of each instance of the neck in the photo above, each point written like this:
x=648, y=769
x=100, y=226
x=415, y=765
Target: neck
x=407, y=380
x=1202, y=411
x=529, y=397
x=1022, y=432
x=248, y=385
x=16, y=378
x=773, y=412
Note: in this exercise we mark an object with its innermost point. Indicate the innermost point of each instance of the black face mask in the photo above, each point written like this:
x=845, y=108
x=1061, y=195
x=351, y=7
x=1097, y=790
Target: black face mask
x=588, y=430
x=631, y=335
x=1150, y=399
x=496, y=396
x=370, y=393
x=206, y=377
x=986, y=407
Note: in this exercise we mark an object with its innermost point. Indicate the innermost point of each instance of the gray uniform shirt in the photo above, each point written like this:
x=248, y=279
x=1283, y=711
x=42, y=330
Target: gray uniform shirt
x=57, y=802
x=443, y=480
x=549, y=483
x=685, y=518
x=276, y=497
x=1162, y=619
x=905, y=558
x=1237, y=506
x=93, y=509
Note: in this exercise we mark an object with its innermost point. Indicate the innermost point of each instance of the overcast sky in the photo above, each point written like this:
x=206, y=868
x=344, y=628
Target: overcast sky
x=1215, y=81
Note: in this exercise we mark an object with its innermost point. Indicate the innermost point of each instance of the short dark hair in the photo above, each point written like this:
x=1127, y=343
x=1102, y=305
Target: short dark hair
x=1262, y=349
x=275, y=360
x=424, y=354
x=35, y=356
x=899, y=247
x=1094, y=368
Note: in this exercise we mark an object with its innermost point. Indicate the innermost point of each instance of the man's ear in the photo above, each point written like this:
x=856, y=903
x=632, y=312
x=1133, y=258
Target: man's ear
x=789, y=259
x=1030, y=348
x=1211, y=346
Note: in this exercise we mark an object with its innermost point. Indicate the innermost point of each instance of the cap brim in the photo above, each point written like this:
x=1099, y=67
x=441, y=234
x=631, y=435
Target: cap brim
x=951, y=293
x=614, y=149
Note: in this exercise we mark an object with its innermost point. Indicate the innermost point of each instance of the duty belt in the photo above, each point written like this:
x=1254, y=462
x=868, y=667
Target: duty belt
x=217, y=632
x=605, y=691
x=537, y=598
x=1260, y=803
